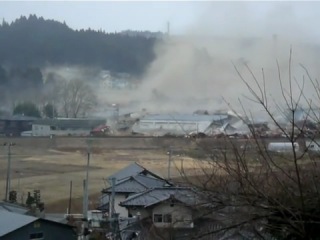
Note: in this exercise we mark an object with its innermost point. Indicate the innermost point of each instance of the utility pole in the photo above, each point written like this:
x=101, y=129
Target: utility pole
x=86, y=195
x=111, y=211
x=70, y=196
x=169, y=162
x=8, y=182
x=113, y=216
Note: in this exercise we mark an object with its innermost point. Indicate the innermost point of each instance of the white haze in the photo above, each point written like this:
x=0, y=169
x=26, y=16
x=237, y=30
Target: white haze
x=195, y=71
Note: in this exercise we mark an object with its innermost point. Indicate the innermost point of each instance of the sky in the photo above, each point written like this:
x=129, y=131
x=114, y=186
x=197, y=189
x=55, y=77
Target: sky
x=115, y=16
x=110, y=16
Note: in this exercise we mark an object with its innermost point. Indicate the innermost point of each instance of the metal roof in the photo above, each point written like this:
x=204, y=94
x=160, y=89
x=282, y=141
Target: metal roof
x=11, y=221
x=71, y=123
x=18, y=118
x=56, y=217
x=11, y=207
x=157, y=195
x=184, y=117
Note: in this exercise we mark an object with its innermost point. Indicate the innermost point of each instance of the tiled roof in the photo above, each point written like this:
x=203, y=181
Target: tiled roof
x=129, y=185
x=130, y=171
x=136, y=184
x=157, y=195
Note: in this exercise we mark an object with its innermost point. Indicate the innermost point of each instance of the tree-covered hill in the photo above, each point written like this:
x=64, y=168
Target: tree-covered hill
x=34, y=41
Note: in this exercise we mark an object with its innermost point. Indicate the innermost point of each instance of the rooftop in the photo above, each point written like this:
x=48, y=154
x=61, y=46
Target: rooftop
x=137, y=183
x=12, y=207
x=157, y=195
x=71, y=123
x=11, y=221
x=18, y=118
x=185, y=117
x=131, y=170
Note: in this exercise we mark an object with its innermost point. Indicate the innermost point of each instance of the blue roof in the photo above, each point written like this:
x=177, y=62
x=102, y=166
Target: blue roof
x=185, y=117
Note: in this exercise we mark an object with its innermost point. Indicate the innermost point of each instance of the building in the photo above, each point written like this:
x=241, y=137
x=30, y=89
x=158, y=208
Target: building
x=18, y=226
x=179, y=124
x=65, y=126
x=167, y=206
x=15, y=125
x=130, y=180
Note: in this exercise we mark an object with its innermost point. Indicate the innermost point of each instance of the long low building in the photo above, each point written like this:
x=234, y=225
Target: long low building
x=179, y=124
x=65, y=126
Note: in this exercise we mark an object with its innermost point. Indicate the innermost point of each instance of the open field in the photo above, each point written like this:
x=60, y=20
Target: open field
x=49, y=165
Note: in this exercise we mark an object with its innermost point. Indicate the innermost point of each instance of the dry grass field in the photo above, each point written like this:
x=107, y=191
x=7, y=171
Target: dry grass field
x=40, y=164
x=49, y=165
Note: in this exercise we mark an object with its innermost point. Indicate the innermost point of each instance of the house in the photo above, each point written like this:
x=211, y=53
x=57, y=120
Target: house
x=65, y=126
x=18, y=226
x=173, y=207
x=132, y=179
x=178, y=124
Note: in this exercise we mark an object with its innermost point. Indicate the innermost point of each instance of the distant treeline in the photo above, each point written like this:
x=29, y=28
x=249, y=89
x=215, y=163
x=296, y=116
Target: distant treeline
x=35, y=42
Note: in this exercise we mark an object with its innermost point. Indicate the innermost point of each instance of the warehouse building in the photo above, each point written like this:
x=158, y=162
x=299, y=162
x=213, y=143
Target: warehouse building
x=65, y=126
x=179, y=124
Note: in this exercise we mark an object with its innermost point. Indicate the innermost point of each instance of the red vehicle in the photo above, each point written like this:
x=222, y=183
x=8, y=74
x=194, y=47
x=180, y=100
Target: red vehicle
x=101, y=130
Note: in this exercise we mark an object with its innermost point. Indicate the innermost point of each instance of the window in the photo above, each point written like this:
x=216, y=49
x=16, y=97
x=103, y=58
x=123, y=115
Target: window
x=36, y=236
x=157, y=218
x=162, y=218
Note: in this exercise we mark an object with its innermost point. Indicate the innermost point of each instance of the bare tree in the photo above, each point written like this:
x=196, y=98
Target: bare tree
x=77, y=98
x=252, y=188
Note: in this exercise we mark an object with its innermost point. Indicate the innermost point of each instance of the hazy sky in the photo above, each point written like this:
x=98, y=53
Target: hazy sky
x=152, y=15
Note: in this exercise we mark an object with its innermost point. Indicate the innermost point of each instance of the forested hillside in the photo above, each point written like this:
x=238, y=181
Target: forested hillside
x=34, y=42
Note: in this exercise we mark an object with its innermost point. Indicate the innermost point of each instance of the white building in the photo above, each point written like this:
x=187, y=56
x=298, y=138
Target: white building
x=179, y=124
x=65, y=126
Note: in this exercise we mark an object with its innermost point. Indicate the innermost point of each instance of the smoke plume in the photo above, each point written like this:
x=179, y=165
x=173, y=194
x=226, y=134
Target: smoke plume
x=195, y=70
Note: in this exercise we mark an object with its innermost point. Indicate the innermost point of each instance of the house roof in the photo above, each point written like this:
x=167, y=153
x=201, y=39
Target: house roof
x=133, y=169
x=137, y=183
x=184, y=117
x=11, y=221
x=157, y=195
x=71, y=123
x=15, y=208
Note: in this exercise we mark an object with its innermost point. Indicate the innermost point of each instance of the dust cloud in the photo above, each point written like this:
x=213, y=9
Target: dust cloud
x=195, y=70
